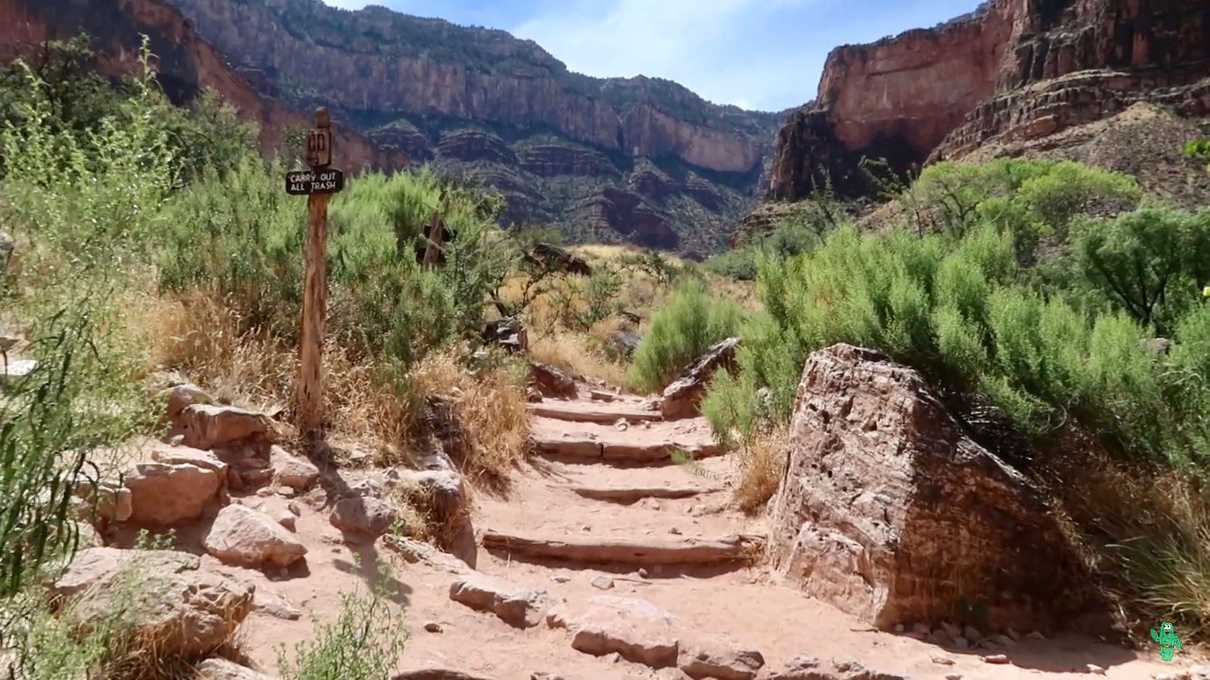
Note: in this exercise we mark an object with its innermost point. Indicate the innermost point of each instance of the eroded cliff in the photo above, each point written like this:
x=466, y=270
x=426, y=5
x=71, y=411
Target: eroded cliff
x=562, y=147
x=1014, y=69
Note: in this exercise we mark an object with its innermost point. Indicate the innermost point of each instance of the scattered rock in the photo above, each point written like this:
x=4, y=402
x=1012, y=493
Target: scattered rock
x=552, y=382
x=962, y=643
x=637, y=629
x=810, y=668
x=953, y=676
x=971, y=633
x=181, y=397
x=623, y=344
x=170, y=454
x=433, y=627
x=288, y=521
x=600, y=395
x=943, y=661
x=363, y=516
x=222, y=669
x=871, y=442
x=190, y=610
x=437, y=674
x=1095, y=669
x=517, y=608
x=210, y=426
x=718, y=660
x=682, y=397
x=107, y=502
x=998, y=659
x=292, y=471
x=602, y=583
x=561, y=578
x=248, y=538
x=1036, y=635
x=165, y=495
x=272, y=604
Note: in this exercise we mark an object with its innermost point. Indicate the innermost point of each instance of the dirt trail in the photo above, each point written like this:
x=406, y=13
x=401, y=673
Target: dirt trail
x=577, y=519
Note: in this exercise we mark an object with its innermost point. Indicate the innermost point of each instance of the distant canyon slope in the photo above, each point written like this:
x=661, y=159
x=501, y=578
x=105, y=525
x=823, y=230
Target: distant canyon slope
x=639, y=160
x=1100, y=81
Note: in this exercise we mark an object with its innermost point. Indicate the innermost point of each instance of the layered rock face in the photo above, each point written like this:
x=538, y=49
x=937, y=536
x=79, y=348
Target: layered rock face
x=1013, y=70
x=560, y=146
x=890, y=512
x=186, y=63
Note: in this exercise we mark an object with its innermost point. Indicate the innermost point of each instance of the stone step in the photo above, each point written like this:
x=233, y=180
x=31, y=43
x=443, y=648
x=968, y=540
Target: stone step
x=637, y=553
x=630, y=409
x=642, y=444
x=628, y=495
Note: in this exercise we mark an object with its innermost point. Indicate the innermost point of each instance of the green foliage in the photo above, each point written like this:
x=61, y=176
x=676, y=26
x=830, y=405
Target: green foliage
x=1199, y=149
x=1151, y=263
x=800, y=232
x=363, y=643
x=235, y=233
x=681, y=331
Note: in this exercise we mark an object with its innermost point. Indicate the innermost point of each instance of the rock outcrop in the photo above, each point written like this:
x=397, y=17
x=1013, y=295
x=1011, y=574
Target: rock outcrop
x=481, y=103
x=1012, y=70
x=890, y=512
x=682, y=399
x=187, y=63
x=168, y=597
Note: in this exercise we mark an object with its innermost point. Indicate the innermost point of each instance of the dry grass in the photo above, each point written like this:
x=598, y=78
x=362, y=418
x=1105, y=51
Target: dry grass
x=762, y=462
x=578, y=353
x=1145, y=533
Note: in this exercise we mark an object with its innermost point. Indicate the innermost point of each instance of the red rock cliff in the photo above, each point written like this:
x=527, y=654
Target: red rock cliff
x=187, y=64
x=1009, y=66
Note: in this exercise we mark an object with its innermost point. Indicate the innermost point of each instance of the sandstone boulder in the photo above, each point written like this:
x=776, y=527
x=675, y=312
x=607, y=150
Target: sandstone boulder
x=637, y=629
x=682, y=397
x=180, y=397
x=168, y=597
x=222, y=669
x=718, y=659
x=891, y=513
x=363, y=516
x=209, y=426
x=245, y=537
x=552, y=382
x=164, y=495
x=516, y=607
x=184, y=455
x=292, y=471
x=105, y=502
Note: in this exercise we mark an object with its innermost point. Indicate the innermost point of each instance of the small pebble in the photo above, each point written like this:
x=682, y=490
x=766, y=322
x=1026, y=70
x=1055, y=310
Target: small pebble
x=293, y=507
x=602, y=583
x=642, y=573
x=287, y=521
x=433, y=627
x=264, y=492
x=899, y=628
x=674, y=531
x=962, y=643
x=998, y=659
x=561, y=579
x=1095, y=669
x=943, y=661
x=1036, y=636
x=954, y=676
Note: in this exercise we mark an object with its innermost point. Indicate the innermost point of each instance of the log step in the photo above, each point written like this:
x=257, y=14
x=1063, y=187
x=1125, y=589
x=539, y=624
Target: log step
x=628, y=495
x=596, y=411
x=639, y=553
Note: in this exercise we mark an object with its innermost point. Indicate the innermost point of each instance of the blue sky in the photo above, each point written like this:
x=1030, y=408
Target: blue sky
x=758, y=54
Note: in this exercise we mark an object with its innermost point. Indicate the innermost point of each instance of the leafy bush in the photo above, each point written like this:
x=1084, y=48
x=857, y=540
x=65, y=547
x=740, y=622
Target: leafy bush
x=684, y=328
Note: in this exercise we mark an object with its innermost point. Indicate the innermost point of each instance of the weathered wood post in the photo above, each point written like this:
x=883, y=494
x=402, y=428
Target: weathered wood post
x=318, y=185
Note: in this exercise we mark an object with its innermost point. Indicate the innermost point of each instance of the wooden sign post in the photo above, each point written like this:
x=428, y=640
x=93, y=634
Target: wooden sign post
x=318, y=185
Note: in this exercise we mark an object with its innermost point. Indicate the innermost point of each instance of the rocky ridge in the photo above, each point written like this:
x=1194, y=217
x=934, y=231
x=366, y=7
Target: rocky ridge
x=1013, y=71
x=562, y=147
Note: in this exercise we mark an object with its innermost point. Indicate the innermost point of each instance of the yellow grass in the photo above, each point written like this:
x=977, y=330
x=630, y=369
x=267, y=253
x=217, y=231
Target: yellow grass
x=577, y=353
x=762, y=463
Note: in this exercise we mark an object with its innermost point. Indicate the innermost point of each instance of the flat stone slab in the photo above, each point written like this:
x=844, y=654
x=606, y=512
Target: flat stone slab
x=596, y=411
x=652, y=442
x=688, y=551
x=628, y=495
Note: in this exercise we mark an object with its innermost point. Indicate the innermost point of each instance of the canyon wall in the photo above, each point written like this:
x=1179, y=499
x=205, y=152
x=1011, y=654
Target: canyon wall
x=186, y=63
x=1012, y=68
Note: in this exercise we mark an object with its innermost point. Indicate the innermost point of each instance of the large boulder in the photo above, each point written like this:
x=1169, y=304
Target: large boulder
x=516, y=607
x=182, y=396
x=891, y=513
x=164, y=494
x=167, y=596
x=636, y=629
x=552, y=382
x=245, y=537
x=363, y=516
x=683, y=397
x=210, y=426
x=292, y=471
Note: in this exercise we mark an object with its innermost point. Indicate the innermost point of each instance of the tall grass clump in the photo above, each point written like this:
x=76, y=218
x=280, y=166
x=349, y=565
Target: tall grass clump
x=689, y=322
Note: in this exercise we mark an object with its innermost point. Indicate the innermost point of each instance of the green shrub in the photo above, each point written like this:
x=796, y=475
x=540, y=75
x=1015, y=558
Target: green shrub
x=365, y=641
x=681, y=331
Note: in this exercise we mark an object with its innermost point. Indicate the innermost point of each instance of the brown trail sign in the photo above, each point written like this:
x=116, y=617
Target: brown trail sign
x=318, y=184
